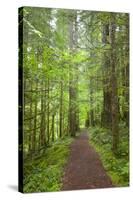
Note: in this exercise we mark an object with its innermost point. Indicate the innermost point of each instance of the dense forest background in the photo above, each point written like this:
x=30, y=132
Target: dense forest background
x=75, y=75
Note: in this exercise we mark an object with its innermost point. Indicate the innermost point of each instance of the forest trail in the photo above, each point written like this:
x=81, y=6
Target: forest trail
x=84, y=169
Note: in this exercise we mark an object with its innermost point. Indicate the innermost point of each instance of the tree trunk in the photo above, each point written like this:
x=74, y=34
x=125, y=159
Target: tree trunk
x=42, y=128
x=53, y=127
x=72, y=77
x=30, y=122
x=115, y=120
x=57, y=126
x=91, y=117
x=35, y=120
x=61, y=107
x=126, y=114
x=48, y=134
x=106, y=114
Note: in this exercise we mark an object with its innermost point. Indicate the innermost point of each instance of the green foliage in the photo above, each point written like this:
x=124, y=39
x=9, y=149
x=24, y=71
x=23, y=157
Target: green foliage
x=43, y=174
x=67, y=76
x=116, y=167
x=100, y=135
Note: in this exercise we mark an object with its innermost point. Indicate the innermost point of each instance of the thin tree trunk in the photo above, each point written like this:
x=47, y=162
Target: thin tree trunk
x=48, y=134
x=53, y=116
x=42, y=128
x=30, y=121
x=91, y=117
x=61, y=107
x=57, y=126
x=35, y=120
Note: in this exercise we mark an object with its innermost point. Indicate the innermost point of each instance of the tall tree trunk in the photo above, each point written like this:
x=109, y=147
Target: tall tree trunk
x=35, y=119
x=30, y=121
x=106, y=116
x=91, y=117
x=61, y=108
x=53, y=116
x=42, y=128
x=48, y=113
x=72, y=77
x=115, y=119
x=127, y=72
x=57, y=124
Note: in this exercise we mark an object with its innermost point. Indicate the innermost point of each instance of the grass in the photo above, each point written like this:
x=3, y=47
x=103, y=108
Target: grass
x=44, y=173
x=117, y=167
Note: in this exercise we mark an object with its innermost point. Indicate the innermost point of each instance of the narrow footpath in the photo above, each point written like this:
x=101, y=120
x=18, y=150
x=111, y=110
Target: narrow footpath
x=84, y=169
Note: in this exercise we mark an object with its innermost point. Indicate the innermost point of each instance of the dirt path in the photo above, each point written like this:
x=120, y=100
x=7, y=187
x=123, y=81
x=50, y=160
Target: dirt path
x=84, y=169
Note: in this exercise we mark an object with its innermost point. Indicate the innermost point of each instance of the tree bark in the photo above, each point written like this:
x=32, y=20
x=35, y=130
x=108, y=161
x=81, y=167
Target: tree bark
x=35, y=121
x=42, y=129
x=61, y=108
x=115, y=119
x=91, y=117
x=53, y=116
x=48, y=134
x=106, y=113
x=30, y=122
x=72, y=77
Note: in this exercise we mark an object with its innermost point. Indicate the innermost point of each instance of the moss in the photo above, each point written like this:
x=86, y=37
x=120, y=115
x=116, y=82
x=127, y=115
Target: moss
x=44, y=174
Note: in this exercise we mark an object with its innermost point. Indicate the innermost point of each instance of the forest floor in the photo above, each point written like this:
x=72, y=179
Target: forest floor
x=84, y=169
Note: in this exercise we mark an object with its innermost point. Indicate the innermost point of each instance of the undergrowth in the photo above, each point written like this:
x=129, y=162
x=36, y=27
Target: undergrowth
x=43, y=174
x=117, y=167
